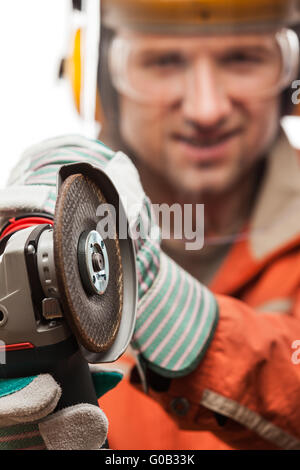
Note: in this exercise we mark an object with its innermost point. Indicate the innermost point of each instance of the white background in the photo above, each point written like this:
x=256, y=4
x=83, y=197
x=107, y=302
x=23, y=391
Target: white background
x=34, y=104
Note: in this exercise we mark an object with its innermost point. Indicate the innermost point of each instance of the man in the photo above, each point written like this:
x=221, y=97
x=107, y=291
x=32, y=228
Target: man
x=193, y=91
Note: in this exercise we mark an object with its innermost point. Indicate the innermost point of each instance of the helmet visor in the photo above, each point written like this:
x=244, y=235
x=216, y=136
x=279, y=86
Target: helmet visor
x=159, y=68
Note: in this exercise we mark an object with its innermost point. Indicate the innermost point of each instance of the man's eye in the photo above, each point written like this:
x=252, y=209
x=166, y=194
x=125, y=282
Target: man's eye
x=166, y=61
x=242, y=58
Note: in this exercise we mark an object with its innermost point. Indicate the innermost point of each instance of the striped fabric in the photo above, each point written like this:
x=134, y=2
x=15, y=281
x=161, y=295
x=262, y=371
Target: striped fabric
x=21, y=437
x=176, y=321
x=176, y=315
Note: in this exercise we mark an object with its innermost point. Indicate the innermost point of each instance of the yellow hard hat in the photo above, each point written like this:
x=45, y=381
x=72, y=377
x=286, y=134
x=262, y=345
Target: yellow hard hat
x=199, y=14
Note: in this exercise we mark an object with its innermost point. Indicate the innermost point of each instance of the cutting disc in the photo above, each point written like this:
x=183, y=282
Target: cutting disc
x=94, y=318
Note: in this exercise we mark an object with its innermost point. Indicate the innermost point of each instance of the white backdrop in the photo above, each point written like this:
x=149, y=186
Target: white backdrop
x=34, y=104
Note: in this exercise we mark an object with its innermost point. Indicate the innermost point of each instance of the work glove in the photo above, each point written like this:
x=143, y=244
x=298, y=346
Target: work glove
x=28, y=419
x=176, y=315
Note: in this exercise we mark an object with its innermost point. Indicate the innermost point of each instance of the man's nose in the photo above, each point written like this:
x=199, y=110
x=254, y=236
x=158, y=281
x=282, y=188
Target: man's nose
x=205, y=101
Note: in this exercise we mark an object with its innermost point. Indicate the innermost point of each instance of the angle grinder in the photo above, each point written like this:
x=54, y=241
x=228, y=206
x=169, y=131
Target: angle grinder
x=68, y=292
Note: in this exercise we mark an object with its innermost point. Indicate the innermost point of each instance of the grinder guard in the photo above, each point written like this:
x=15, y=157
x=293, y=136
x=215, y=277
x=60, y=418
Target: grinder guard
x=127, y=252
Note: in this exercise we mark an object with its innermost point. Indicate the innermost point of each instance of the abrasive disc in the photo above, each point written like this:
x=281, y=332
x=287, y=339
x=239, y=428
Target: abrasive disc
x=94, y=318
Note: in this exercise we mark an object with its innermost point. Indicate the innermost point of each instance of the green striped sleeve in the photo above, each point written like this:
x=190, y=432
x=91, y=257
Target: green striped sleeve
x=176, y=321
x=21, y=436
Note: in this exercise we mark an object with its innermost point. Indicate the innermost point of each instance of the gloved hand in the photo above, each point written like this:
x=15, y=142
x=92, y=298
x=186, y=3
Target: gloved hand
x=27, y=420
x=176, y=315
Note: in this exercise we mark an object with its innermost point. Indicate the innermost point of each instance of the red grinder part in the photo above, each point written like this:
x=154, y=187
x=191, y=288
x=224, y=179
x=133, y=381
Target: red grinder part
x=93, y=318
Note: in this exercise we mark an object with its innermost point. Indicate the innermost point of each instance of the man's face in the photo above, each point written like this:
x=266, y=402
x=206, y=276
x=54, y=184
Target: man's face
x=206, y=112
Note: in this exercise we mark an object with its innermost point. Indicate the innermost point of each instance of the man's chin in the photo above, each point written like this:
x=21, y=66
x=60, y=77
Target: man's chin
x=203, y=183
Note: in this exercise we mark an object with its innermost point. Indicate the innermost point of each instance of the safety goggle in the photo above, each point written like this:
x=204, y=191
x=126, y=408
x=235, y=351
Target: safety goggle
x=158, y=69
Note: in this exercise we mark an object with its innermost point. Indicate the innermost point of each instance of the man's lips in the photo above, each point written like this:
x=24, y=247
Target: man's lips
x=209, y=146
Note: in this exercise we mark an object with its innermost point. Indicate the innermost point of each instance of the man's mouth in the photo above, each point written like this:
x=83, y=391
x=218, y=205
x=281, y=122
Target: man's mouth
x=206, y=139
x=200, y=147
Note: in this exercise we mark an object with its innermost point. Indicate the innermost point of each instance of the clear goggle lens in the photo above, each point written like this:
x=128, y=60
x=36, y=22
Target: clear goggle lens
x=158, y=69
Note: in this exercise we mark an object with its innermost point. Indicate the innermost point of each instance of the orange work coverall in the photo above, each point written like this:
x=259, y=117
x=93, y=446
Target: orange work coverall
x=245, y=394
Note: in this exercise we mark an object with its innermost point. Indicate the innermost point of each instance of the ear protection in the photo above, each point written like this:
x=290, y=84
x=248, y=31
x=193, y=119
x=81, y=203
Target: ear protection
x=73, y=69
x=80, y=67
